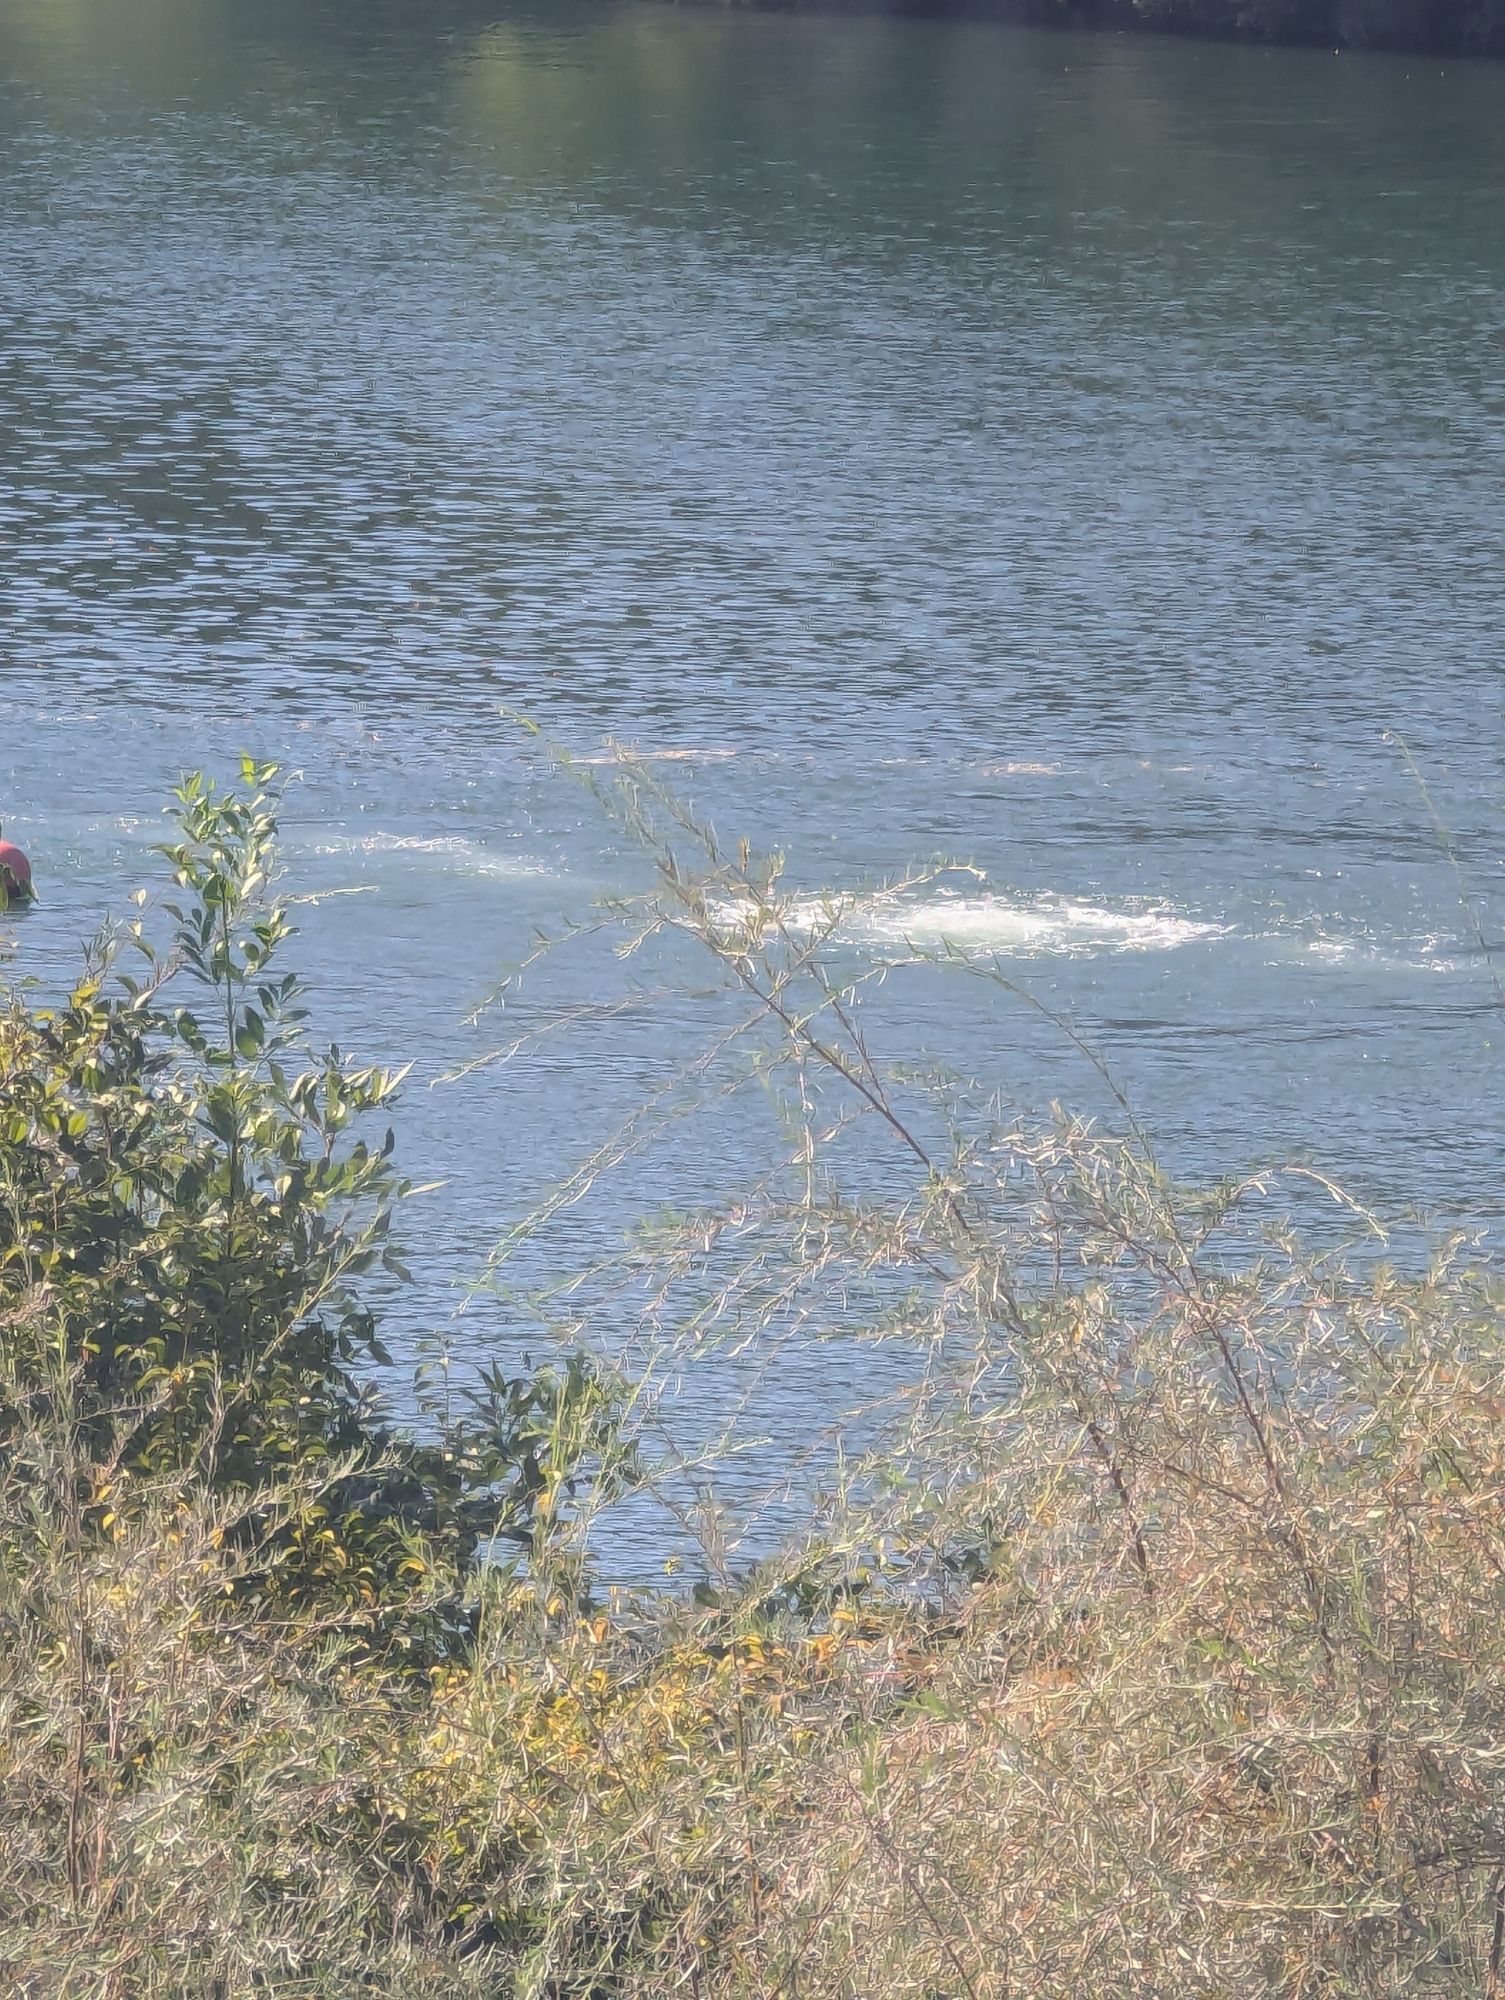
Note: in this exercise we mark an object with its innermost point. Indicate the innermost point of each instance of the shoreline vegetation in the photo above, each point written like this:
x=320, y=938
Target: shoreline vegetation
x=1424, y=27
x=1158, y=1647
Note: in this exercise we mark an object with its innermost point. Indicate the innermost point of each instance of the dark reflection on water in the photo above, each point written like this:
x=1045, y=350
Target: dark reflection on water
x=1072, y=453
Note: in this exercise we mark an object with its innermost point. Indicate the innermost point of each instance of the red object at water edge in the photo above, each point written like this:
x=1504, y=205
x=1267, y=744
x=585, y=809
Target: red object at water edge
x=15, y=870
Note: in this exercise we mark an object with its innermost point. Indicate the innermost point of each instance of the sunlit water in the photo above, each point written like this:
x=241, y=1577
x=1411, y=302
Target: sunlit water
x=1070, y=455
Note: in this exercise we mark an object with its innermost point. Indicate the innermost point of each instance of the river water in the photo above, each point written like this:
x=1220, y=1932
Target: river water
x=1076, y=455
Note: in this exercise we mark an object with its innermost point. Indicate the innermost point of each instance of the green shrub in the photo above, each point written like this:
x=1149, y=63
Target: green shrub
x=188, y=1205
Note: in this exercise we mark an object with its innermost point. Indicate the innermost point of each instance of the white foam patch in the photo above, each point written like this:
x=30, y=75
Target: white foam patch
x=464, y=857
x=630, y=755
x=1049, y=926
x=800, y=915
x=1024, y=768
x=1427, y=956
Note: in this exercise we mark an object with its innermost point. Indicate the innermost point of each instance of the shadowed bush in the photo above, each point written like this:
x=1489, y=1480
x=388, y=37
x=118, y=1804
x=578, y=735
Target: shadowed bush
x=1437, y=27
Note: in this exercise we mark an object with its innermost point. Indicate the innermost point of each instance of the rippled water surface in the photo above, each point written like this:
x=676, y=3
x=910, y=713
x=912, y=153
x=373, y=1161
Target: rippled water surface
x=1073, y=455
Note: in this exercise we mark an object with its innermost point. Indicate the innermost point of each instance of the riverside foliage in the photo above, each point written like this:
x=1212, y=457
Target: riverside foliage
x=1159, y=1651
x=1437, y=27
